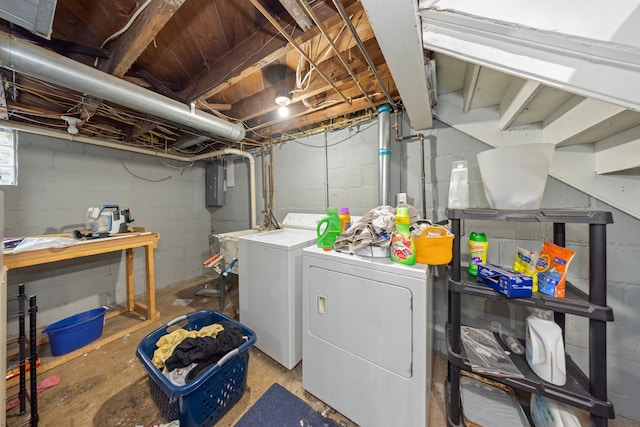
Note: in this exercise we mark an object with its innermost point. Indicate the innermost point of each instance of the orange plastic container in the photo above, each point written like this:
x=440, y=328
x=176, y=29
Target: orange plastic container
x=434, y=246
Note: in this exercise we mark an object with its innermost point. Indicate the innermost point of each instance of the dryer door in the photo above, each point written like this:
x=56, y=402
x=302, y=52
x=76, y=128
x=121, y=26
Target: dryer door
x=348, y=312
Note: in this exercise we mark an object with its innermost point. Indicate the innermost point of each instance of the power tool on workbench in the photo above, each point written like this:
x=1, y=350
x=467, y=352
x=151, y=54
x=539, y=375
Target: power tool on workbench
x=109, y=219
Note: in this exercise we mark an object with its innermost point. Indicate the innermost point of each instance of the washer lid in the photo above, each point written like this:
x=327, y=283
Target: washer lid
x=284, y=238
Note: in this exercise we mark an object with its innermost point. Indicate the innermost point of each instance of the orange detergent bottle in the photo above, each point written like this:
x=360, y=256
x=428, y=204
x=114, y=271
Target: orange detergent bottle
x=345, y=218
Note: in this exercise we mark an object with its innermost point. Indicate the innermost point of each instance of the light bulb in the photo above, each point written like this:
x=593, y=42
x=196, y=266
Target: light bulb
x=283, y=99
x=283, y=111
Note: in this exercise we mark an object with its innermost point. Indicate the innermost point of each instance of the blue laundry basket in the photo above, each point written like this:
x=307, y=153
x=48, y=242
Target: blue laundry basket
x=203, y=401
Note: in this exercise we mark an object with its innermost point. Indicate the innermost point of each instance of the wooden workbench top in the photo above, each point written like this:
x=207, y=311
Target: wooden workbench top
x=81, y=248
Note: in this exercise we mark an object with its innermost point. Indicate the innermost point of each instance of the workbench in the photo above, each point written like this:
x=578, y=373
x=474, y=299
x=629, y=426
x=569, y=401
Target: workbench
x=85, y=248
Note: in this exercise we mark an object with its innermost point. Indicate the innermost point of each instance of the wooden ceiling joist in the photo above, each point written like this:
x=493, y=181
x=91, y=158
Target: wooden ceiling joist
x=128, y=48
x=244, y=59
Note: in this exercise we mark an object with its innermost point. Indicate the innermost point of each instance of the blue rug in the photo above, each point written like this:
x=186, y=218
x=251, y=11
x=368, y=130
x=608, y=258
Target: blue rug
x=277, y=407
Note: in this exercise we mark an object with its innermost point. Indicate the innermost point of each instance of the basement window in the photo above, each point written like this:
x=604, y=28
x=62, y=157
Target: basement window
x=8, y=156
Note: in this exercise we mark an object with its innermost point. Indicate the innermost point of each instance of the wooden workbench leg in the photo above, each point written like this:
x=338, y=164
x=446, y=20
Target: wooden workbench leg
x=3, y=341
x=151, y=286
x=131, y=286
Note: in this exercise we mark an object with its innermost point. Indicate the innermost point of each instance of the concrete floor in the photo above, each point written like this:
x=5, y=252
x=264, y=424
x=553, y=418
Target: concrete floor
x=109, y=387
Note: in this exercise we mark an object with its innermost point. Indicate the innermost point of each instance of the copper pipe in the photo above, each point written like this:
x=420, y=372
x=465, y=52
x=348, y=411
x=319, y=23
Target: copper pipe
x=345, y=18
x=324, y=32
x=281, y=30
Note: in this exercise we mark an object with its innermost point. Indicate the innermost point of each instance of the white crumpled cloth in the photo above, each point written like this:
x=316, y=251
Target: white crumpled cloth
x=33, y=243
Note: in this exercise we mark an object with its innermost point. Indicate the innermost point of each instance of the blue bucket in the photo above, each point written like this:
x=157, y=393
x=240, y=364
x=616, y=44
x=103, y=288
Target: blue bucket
x=76, y=331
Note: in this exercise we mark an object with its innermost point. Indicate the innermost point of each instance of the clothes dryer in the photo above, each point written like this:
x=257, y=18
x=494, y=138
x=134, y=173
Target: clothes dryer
x=367, y=337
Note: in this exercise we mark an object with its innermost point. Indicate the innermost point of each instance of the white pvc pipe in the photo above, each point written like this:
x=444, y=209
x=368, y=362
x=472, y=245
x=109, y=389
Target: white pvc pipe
x=123, y=147
x=27, y=58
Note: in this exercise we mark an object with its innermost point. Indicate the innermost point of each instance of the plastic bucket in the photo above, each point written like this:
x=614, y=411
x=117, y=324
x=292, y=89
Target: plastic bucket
x=514, y=177
x=76, y=331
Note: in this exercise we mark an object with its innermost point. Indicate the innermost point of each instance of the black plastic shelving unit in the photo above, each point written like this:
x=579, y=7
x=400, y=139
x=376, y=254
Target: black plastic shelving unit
x=581, y=391
x=21, y=313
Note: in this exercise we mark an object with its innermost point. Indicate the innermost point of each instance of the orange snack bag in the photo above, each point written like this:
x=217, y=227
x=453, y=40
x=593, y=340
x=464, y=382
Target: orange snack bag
x=551, y=269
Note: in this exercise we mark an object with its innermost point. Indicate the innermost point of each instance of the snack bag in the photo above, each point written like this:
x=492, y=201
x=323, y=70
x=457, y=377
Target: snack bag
x=551, y=269
x=525, y=263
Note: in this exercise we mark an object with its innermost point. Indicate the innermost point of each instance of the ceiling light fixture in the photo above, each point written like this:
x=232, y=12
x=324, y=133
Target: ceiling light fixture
x=72, y=122
x=283, y=98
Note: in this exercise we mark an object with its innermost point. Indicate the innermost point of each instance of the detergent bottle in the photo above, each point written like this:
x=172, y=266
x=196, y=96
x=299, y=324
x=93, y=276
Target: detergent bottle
x=403, y=247
x=549, y=413
x=329, y=228
x=545, y=348
x=477, y=251
x=345, y=218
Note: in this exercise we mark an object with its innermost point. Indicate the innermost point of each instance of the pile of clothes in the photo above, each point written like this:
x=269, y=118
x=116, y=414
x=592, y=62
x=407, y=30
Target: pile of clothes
x=182, y=355
x=373, y=231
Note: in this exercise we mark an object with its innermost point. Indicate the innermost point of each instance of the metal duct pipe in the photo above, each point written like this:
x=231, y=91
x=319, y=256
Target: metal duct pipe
x=41, y=63
x=384, y=153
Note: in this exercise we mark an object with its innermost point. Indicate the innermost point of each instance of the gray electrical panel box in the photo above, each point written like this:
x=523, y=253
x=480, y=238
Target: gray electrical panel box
x=214, y=174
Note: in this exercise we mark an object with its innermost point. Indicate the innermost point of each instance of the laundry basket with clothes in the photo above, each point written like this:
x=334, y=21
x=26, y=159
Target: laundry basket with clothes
x=214, y=349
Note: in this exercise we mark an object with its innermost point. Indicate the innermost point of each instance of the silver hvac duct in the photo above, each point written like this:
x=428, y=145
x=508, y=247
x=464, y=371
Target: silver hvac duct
x=43, y=64
x=384, y=153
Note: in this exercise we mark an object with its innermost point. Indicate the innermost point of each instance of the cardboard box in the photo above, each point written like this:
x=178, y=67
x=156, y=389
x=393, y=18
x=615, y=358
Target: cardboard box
x=505, y=280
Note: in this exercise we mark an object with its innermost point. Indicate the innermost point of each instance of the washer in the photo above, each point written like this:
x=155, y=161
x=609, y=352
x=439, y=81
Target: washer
x=270, y=285
x=367, y=337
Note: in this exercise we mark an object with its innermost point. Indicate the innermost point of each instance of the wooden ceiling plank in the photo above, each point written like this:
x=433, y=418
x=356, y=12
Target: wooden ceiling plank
x=230, y=69
x=619, y=152
x=298, y=14
x=334, y=47
x=218, y=107
x=470, y=83
x=318, y=116
x=157, y=85
x=138, y=129
x=267, y=42
x=237, y=91
x=299, y=112
x=134, y=41
x=518, y=96
x=257, y=105
x=35, y=110
x=250, y=107
x=90, y=18
x=4, y=114
x=583, y=116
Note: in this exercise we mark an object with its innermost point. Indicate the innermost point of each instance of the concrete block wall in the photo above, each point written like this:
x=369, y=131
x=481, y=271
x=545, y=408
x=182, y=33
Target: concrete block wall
x=341, y=168
x=58, y=180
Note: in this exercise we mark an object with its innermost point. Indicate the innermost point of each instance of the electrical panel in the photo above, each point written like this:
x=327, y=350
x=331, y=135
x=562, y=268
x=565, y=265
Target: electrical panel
x=214, y=175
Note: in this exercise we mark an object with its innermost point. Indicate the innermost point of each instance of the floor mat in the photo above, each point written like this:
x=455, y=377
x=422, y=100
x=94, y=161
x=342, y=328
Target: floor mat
x=279, y=408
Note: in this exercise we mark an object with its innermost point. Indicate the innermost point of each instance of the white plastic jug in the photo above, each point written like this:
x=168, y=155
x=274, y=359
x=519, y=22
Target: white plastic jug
x=459, y=186
x=545, y=348
x=548, y=413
